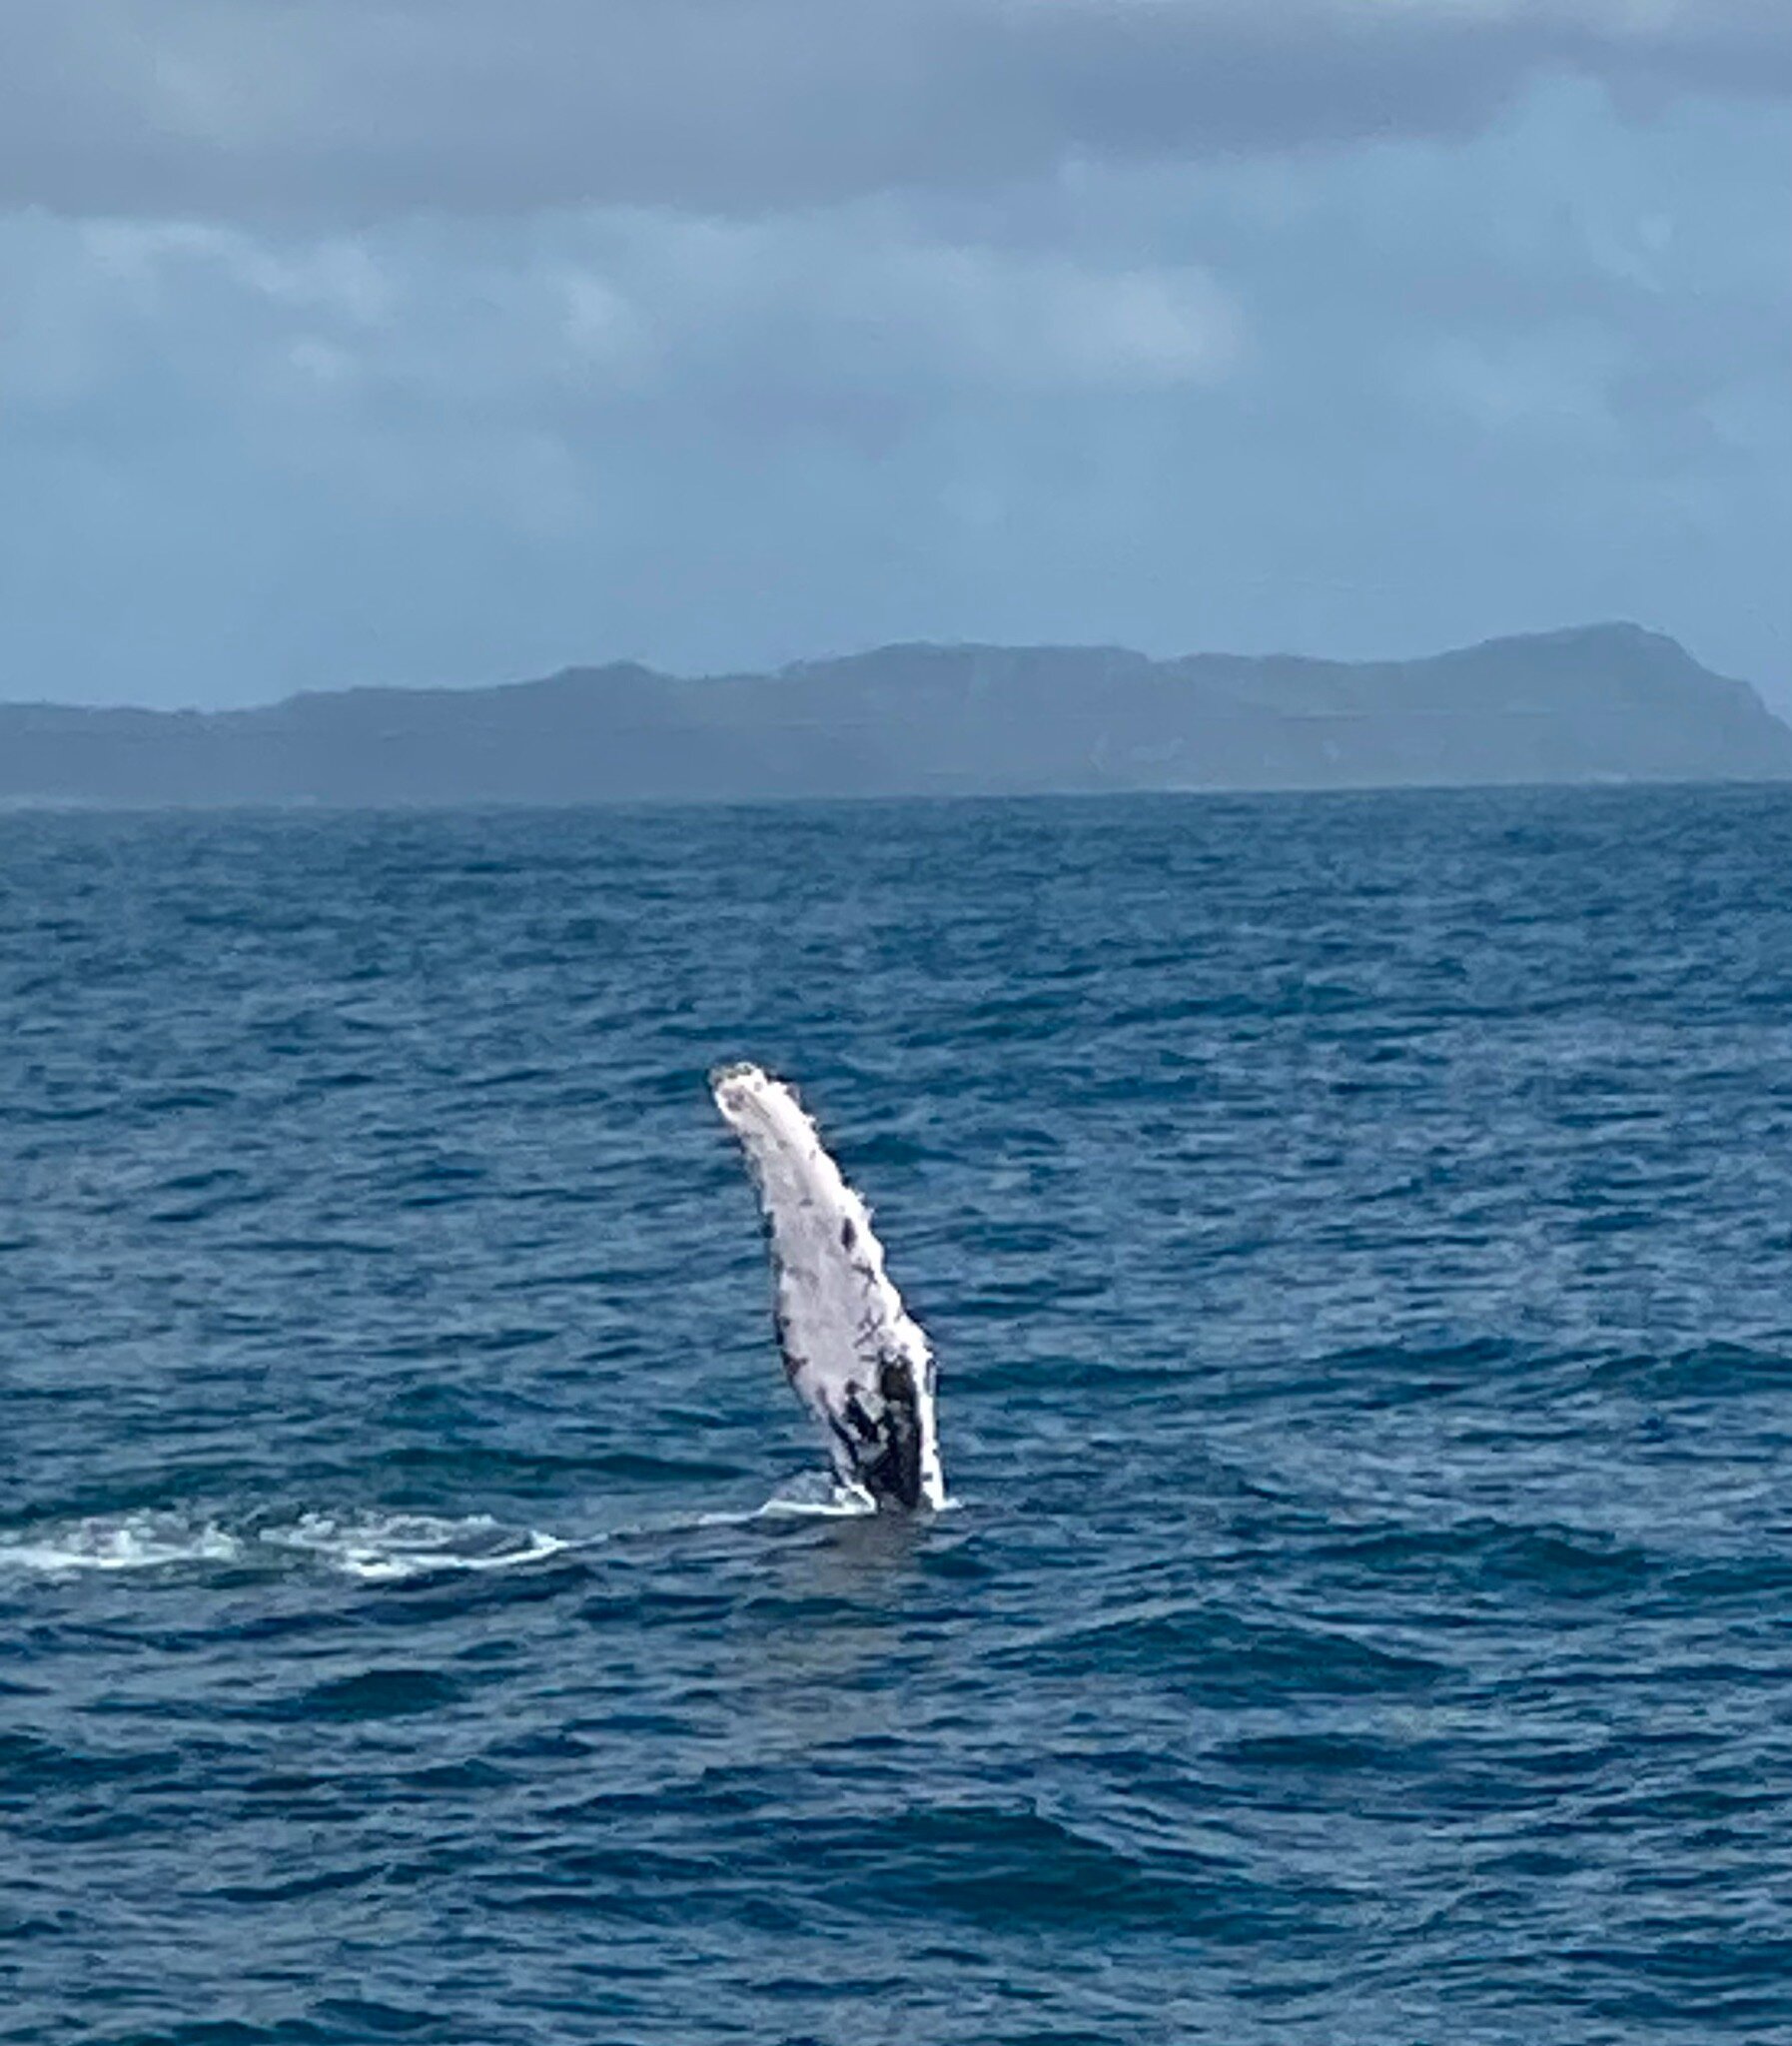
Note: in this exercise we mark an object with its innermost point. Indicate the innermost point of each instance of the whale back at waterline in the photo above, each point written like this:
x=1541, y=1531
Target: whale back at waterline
x=857, y=1360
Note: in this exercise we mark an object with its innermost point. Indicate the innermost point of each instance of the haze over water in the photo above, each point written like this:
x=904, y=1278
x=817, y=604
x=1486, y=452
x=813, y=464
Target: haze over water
x=1354, y=1233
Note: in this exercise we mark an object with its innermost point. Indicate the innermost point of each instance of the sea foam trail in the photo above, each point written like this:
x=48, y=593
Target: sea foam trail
x=371, y=1548
x=390, y=1547
x=852, y=1351
x=374, y=1547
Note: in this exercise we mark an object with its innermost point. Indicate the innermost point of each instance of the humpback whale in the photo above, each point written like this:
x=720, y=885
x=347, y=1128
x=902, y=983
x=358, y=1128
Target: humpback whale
x=851, y=1351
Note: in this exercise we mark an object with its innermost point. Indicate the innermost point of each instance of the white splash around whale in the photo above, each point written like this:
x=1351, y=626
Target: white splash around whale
x=856, y=1359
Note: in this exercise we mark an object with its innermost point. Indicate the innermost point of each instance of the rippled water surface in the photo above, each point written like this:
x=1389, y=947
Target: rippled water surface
x=1356, y=1232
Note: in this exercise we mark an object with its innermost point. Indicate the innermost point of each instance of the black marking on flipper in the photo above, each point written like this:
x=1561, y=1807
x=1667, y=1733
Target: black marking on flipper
x=847, y=1463
x=902, y=1414
x=893, y=1474
x=878, y=1436
x=865, y=1425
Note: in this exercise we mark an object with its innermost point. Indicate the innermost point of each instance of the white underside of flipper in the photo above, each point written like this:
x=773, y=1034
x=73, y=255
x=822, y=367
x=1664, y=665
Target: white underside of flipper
x=857, y=1361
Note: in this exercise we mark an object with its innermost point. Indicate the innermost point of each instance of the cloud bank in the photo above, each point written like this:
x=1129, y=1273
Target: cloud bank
x=425, y=341
x=348, y=110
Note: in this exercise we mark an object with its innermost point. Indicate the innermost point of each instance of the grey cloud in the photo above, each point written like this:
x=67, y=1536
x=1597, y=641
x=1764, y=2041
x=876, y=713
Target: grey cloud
x=348, y=110
x=598, y=309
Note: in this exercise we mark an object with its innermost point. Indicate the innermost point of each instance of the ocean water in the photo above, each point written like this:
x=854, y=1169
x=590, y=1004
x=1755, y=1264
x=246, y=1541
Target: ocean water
x=1357, y=1237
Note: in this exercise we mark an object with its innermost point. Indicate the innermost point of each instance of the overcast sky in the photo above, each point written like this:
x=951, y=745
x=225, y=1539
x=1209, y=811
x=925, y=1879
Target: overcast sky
x=418, y=340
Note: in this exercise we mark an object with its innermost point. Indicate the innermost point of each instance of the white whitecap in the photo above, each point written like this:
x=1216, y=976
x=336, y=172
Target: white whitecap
x=836, y=1502
x=809, y=1493
x=130, y=1542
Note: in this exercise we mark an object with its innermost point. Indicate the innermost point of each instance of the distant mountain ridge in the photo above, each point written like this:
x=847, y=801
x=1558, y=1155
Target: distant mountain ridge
x=1590, y=704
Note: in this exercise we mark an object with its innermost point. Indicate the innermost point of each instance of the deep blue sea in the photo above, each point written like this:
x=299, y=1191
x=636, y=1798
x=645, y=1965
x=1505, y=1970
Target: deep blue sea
x=1357, y=1233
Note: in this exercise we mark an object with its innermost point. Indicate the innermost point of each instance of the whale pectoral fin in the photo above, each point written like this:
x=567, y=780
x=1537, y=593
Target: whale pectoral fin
x=850, y=1350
